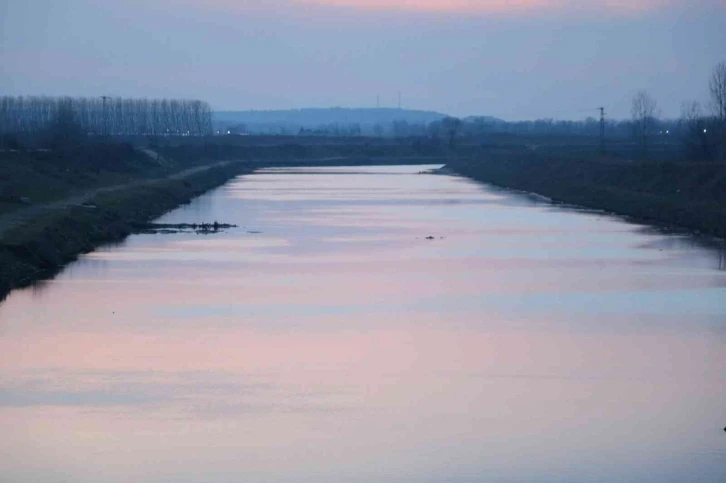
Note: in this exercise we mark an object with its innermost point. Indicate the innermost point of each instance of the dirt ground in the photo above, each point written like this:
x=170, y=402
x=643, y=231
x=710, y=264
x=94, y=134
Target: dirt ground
x=33, y=184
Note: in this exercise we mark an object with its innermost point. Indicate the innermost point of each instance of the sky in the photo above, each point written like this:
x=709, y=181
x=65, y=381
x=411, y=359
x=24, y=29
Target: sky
x=513, y=59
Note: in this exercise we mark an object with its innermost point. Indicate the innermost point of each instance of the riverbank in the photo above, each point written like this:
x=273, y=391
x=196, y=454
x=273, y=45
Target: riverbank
x=691, y=196
x=39, y=248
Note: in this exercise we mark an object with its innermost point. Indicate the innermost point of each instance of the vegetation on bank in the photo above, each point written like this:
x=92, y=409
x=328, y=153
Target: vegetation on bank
x=41, y=176
x=150, y=185
x=56, y=149
x=34, y=117
x=686, y=194
x=36, y=250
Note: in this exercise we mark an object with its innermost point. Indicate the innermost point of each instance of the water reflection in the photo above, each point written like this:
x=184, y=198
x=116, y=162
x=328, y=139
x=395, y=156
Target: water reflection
x=526, y=342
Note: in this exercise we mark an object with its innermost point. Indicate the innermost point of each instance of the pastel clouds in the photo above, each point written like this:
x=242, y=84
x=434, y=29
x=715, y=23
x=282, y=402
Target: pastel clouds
x=500, y=6
x=474, y=8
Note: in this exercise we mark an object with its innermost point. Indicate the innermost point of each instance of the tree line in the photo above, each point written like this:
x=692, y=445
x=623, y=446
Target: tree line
x=706, y=134
x=104, y=116
x=703, y=133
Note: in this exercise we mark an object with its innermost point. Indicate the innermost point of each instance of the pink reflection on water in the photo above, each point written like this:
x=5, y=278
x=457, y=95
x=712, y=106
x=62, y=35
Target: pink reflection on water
x=337, y=346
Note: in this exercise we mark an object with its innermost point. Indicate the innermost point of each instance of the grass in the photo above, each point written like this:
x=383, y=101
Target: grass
x=43, y=176
x=688, y=195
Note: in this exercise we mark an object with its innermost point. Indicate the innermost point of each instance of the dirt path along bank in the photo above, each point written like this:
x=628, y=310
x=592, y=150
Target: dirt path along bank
x=35, y=242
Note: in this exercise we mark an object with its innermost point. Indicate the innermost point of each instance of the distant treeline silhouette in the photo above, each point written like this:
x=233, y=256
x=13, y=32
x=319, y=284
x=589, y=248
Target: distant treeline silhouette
x=105, y=115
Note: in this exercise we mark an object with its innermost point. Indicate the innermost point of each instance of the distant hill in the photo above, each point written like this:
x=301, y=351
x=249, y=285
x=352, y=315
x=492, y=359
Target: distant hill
x=291, y=121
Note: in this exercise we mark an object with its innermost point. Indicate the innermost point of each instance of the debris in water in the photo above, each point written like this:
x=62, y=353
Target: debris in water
x=170, y=228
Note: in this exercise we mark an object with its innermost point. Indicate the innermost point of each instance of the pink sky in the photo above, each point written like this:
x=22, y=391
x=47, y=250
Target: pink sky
x=498, y=6
x=513, y=59
x=509, y=8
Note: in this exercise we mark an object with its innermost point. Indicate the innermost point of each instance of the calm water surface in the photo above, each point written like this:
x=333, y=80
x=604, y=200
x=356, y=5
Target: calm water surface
x=327, y=340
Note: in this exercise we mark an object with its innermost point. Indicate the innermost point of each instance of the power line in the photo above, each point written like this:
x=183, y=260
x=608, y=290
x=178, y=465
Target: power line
x=602, y=129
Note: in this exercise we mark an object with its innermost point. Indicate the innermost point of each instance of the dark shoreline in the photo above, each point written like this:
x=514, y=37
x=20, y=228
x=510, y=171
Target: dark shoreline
x=41, y=248
x=685, y=197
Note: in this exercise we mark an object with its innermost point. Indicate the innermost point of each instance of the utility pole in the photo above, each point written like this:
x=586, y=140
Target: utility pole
x=602, y=129
x=105, y=115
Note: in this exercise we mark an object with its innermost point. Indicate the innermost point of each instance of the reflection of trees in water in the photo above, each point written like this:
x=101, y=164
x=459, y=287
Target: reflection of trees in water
x=677, y=239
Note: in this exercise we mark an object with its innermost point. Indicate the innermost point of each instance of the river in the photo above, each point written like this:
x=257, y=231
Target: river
x=329, y=339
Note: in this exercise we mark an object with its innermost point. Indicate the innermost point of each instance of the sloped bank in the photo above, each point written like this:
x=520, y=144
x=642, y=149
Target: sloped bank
x=40, y=248
x=686, y=195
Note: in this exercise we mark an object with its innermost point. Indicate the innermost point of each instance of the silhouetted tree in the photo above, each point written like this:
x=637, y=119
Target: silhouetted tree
x=717, y=85
x=644, y=111
x=694, y=132
x=451, y=126
x=107, y=116
x=65, y=130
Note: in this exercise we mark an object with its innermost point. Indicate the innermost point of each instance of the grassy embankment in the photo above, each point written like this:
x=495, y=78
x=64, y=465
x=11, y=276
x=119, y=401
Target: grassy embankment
x=46, y=226
x=688, y=195
x=39, y=248
x=55, y=205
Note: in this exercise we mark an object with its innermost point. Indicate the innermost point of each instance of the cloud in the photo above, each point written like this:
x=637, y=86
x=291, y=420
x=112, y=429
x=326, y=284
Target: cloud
x=500, y=6
x=473, y=8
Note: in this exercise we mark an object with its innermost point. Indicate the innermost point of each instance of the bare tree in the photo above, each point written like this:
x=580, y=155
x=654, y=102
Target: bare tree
x=717, y=86
x=451, y=126
x=694, y=131
x=644, y=111
x=65, y=130
x=108, y=116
